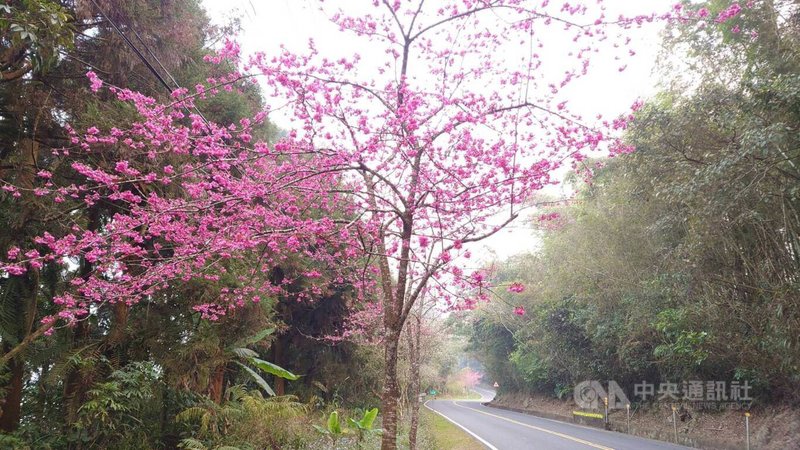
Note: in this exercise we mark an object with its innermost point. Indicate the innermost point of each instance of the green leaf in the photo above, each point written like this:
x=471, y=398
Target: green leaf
x=244, y=353
x=368, y=419
x=260, y=381
x=274, y=369
x=191, y=444
x=333, y=423
x=256, y=338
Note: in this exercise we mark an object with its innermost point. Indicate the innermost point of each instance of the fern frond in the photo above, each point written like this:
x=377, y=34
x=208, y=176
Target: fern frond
x=192, y=444
x=191, y=414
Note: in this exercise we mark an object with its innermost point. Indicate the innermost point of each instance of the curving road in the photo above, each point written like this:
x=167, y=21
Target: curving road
x=499, y=429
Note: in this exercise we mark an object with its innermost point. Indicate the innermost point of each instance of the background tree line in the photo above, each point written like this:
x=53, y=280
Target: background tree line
x=681, y=260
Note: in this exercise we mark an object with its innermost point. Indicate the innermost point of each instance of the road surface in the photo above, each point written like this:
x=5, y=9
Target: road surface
x=499, y=429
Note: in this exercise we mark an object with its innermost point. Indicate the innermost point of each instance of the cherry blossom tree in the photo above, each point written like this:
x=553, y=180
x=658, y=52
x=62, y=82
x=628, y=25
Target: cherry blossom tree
x=187, y=197
x=442, y=142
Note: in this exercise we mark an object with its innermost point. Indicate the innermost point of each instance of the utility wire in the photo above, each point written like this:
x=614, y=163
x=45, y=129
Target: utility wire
x=158, y=61
x=152, y=55
x=133, y=47
x=144, y=60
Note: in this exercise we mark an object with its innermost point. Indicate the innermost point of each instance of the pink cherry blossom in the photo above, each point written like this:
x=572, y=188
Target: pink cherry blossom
x=730, y=12
x=516, y=287
x=94, y=80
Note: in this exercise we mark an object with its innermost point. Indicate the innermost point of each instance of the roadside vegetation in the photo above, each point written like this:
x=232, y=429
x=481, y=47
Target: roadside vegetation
x=439, y=433
x=681, y=260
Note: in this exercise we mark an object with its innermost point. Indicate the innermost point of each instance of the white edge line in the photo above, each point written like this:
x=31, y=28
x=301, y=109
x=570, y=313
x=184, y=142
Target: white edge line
x=482, y=441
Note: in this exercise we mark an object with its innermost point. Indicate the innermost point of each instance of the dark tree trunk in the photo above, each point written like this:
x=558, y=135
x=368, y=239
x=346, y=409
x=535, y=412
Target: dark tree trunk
x=76, y=383
x=25, y=309
x=278, y=358
x=25, y=303
x=118, y=332
x=9, y=419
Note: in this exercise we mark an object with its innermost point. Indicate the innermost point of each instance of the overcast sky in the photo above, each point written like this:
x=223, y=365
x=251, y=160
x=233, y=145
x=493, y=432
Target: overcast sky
x=268, y=24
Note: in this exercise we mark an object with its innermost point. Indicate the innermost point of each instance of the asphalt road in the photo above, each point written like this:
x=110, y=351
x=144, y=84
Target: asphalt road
x=499, y=429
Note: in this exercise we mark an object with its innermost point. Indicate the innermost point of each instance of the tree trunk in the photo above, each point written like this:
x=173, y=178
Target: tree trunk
x=76, y=383
x=391, y=393
x=277, y=358
x=25, y=309
x=9, y=419
x=118, y=331
x=414, y=331
x=216, y=387
x=25, y=305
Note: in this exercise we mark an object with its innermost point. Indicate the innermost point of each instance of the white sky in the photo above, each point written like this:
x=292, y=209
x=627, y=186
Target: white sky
x=267, y=24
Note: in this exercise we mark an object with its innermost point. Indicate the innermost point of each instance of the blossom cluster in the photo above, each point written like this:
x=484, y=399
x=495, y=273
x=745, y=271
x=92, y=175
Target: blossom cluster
x=404, y=161
x=190, y=198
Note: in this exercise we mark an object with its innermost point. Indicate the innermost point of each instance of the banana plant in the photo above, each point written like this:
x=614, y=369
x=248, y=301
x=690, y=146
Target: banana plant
x=363, y=427
x=333, y=428
x=249, y=360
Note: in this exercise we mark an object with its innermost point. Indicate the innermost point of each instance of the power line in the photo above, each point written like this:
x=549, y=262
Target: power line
x=152, y=55
x=144, y=60
x=133, y=47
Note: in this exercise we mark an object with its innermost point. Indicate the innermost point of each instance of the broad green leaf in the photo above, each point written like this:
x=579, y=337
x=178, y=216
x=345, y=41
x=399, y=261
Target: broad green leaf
x=274, y=369
x=369, y=418
x=333, y=423
x=256, y=338
x=260, y=381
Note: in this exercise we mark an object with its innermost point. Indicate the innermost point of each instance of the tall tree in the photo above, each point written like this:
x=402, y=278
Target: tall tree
x=128, y=46
x=443, y=142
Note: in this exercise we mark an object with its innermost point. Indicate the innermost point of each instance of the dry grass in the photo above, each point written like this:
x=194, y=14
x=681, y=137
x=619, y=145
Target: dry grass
x=439, y=434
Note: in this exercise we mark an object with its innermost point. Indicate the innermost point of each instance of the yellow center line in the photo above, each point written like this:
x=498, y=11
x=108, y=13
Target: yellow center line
x=543, y=430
